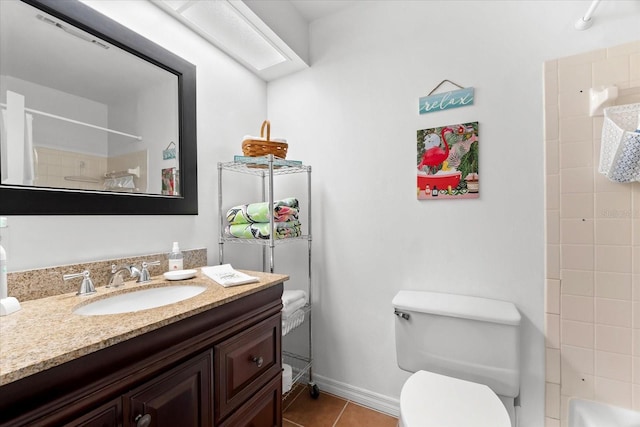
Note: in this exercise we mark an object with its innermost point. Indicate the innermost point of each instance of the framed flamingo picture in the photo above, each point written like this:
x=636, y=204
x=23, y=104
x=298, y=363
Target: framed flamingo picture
x=447, y=162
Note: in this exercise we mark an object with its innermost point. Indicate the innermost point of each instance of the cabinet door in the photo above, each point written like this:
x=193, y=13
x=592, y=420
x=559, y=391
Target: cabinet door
x=245, y=363
x=107, y=415
x=181, y=397
x=262, y=410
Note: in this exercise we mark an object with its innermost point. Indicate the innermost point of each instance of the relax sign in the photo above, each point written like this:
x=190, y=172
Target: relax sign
x=445, y=101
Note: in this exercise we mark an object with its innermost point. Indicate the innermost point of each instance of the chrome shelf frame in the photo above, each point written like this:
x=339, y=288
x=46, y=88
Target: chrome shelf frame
x=266, y=167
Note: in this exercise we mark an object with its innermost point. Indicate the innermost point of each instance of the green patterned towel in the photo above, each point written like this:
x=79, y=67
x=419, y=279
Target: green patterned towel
x=261, y=230
x=284, y=210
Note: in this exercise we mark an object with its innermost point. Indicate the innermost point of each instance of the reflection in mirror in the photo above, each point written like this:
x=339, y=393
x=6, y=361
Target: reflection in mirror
x=94, y=118
x=81, y=113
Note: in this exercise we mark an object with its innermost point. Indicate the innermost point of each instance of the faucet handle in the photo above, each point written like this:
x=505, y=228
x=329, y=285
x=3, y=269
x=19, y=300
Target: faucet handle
x=144, y=274
x=86, y=287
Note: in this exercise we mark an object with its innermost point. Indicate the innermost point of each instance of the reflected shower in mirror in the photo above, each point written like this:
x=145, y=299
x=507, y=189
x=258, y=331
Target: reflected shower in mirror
x=80, y=113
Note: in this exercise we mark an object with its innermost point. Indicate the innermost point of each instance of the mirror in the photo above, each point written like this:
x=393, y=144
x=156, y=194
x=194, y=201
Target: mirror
x=95, y=119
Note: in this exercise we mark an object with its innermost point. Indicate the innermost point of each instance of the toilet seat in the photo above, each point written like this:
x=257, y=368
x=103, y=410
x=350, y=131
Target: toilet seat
x=429, y=399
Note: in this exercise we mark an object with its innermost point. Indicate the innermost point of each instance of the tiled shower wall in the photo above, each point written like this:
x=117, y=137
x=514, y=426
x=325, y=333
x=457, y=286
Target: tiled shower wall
x=593, y=242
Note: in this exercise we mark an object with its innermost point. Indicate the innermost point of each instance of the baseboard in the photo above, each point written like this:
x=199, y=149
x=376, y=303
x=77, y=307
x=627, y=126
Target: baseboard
x=359, y=395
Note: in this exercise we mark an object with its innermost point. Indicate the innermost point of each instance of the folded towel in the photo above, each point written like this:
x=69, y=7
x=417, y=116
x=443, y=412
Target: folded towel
x=292, y=301
x=261, y=230
x=289, y=296
x=226, y=276
x=288, y=310
x=284, y=210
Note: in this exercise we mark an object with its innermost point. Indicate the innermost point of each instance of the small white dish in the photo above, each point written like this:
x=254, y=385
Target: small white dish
x=180, y=274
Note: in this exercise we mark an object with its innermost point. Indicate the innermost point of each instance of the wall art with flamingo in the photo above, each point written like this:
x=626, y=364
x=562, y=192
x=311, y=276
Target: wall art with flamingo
x=447, y=162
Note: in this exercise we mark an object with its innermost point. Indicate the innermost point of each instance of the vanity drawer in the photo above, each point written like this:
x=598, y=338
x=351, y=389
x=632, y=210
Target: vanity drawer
x=246, y=362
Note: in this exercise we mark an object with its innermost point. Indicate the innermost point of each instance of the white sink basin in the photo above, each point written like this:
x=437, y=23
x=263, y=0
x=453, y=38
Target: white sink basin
x=140, y=300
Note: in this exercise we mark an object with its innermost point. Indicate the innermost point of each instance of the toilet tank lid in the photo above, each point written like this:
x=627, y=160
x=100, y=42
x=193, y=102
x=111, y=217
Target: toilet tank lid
x=462, y=306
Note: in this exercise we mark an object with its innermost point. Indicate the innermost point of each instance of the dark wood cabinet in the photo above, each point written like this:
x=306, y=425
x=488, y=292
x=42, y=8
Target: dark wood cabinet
x=181, y=397
x=107, y=415
x=264, y=409
x=244, y=363
x=220, y=367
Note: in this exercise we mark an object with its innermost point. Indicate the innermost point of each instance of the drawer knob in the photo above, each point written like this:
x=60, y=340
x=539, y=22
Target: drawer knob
x=143, y=420
x=258, y=360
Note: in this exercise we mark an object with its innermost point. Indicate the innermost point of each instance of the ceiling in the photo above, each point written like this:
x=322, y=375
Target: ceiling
x=316, y=9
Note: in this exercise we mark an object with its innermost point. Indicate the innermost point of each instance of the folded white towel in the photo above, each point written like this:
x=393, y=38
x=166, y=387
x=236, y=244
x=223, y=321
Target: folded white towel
x=289, y=309
x=290, y=296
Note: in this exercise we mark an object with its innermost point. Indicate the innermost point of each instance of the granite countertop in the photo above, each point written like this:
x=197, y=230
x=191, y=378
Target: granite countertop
x=46, y=333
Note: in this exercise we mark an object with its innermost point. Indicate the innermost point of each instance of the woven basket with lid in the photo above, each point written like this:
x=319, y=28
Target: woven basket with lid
x=264, y=146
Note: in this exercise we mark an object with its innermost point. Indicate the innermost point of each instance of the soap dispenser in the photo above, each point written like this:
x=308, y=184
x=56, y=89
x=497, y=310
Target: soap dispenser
x=175, y=258
x=8, y=304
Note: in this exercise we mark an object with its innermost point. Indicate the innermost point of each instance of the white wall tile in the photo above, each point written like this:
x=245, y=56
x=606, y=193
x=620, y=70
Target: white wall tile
x=611, y=71
x=577, y=205
x=552, y=359
x=577, y=384
x=577, y=308
x=553, y=227
x=552, y=192
x=613, y=312
x=576, y=129
x=613, y=339
x=577, y=359
x=577, y=231
x=613, y=231
x=576, y=180
x=576, y=155
x=574, y=78
x=614, y=366
x=579, y=334
x=614, y=392
x=577, y=257
x=552, y=330
x=551, y=422
x=613, y=285
x=577, y=282
x=613, y=258
x=553, y=262
x=553, y=296
x=552, y=396
x=552, y=157
x=613, y=205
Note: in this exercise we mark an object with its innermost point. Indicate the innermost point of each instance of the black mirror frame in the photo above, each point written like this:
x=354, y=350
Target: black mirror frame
x=17, y=200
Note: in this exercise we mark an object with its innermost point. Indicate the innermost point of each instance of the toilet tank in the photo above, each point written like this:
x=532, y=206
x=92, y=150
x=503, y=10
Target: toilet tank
x=471, y=338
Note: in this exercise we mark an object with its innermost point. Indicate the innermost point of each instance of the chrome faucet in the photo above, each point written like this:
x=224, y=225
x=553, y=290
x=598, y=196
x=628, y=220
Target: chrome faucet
x=86, y=287
x=116, y=280
x=144, y=276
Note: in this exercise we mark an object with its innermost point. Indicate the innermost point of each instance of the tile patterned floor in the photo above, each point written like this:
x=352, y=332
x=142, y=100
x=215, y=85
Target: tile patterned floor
x=300, y=410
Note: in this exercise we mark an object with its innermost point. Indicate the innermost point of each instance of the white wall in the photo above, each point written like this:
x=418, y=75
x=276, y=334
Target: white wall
x=353, y=117
x=231, y=102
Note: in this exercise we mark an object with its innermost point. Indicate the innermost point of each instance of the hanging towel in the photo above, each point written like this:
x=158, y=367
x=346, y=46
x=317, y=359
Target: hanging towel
x=282, y=230
x=284, y=210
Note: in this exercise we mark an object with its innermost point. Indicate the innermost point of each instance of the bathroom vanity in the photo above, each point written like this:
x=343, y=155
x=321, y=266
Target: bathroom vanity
x=212, y=360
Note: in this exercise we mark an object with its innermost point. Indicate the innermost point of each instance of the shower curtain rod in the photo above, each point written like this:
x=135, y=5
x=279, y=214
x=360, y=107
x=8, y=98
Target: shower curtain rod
x=42, y=113
x=586, y=21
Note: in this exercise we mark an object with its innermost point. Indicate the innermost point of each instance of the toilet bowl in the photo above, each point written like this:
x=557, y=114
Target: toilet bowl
x=433, y=400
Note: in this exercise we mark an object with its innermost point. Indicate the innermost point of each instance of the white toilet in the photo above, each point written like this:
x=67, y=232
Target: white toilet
x=465, y=351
